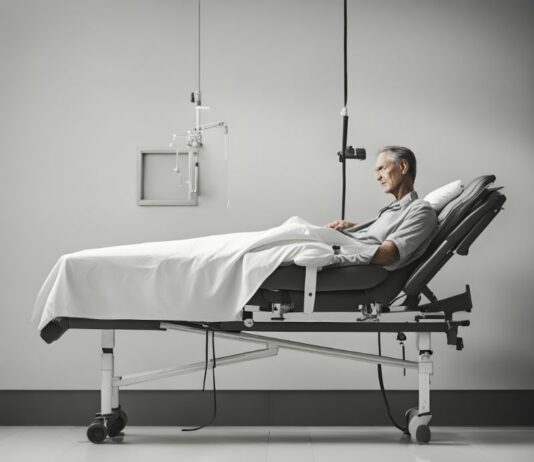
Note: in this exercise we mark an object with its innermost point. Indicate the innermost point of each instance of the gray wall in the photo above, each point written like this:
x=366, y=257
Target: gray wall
x=84, y=84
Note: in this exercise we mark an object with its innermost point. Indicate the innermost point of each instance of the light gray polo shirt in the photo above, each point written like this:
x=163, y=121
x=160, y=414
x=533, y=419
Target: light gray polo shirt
x=409, y=223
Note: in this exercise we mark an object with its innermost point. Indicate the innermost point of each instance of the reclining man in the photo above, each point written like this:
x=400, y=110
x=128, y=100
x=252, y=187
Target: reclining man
x=402, y=231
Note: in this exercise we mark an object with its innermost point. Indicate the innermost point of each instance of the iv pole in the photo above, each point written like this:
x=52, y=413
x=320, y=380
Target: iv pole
x=194, y=136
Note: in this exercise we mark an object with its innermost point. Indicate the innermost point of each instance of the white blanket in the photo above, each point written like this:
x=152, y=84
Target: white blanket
x=203, y=279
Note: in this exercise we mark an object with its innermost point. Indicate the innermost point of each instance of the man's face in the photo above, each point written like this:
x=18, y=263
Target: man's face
x=388, y=174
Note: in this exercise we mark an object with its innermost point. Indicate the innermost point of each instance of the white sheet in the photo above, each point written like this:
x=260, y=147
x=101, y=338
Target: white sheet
x=203, y=279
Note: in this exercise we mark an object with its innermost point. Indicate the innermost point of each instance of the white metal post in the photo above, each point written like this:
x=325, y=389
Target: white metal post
x=114, y=395
x=425, y=370
x=107, y=392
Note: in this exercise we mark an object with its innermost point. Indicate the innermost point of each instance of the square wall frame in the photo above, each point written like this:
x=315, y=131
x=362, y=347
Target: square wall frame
x=157, y=183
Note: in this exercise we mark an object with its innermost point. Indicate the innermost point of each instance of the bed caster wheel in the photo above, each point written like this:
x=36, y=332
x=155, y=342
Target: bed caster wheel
x=423, y=434
x=118, y=412
x=114, y=426
x=418, y=427
x=410, y=413
x=116, y=422
x=97, y=432
x=123, y=416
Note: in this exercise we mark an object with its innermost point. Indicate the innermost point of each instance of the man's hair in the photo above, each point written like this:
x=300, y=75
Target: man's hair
x=397, y=153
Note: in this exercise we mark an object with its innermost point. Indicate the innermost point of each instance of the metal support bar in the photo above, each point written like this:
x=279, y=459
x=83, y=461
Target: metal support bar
x=271, y=350
x=298, y=346
x=310, y=284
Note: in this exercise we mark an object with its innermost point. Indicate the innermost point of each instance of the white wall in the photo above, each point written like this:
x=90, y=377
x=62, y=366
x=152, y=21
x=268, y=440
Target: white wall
x=83, y=84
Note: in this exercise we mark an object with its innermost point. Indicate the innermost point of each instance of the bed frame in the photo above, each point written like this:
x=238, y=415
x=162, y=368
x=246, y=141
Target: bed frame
x=295, y=299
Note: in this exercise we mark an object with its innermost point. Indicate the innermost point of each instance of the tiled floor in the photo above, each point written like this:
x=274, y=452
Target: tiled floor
x=295, y=444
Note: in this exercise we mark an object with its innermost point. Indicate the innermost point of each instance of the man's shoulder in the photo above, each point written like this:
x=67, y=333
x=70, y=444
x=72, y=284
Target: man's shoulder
x=420, y=206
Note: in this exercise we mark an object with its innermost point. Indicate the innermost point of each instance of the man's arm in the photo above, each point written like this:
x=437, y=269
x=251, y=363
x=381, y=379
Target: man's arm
x=415, y=229
x=386, y=254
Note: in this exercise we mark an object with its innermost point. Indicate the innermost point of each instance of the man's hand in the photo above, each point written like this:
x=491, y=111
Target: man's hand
x=340, y=224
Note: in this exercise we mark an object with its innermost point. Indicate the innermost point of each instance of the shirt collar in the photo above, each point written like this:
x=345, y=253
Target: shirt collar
x=400, y=204
x=405, y=200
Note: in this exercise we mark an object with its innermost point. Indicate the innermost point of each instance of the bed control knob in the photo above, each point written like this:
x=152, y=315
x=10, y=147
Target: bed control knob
x=248, y=322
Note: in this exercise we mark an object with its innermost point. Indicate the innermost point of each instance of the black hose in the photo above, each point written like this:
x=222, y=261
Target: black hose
x=345, y=48
x=344, y=165
x=204, y=381
x=381, y=382
x=345, y=116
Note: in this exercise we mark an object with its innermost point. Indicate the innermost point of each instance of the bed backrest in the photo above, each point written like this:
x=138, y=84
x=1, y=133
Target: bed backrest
x=456, y=210
x=459, y=224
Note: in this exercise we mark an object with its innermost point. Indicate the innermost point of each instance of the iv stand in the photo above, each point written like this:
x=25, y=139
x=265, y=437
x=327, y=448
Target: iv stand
x=194, y=137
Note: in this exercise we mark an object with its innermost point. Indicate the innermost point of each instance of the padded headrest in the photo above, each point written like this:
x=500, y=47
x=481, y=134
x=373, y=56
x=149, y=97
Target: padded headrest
x=440, y=197
x=458, y=208
x=467, y=198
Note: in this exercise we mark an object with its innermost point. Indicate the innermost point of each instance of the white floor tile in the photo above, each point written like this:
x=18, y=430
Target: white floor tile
x=43, y=444
x=5, y=432
x=170, y=443
x=265, y=444
x=291, y=445
x=367, y=443
x=501, y=444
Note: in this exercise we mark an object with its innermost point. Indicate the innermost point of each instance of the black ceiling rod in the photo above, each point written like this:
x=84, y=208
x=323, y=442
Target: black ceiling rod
x=347, y=152
x=344, y=113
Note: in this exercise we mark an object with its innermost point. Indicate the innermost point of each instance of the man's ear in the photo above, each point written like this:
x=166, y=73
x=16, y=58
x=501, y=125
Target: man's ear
x=404, y=166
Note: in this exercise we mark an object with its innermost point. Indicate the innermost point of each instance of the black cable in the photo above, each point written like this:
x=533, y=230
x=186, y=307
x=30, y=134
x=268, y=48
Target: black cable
x=345, y=116
x=214, y=359
x=205, y=362
x=381, y=382
x=344, y=166
x=199, y=48
x=345, y=48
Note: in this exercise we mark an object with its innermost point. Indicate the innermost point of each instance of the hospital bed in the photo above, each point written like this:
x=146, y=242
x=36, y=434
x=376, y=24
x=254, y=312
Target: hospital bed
x=295, y=299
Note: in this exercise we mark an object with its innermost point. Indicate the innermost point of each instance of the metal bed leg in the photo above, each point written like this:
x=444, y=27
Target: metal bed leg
x=112, y=419
x=418, y=419
x=107, y=370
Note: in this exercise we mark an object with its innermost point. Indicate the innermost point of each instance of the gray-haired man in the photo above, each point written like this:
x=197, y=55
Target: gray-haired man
x=402, y=230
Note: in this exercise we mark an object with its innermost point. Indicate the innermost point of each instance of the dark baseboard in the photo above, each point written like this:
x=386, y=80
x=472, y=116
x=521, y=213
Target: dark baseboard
x=264, y=407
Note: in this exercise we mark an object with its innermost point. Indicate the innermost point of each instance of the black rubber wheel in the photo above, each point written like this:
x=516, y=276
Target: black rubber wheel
x=114, y=425
x=97, y=432
x=124, y=417
x=423, y=434
x=119, y=412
